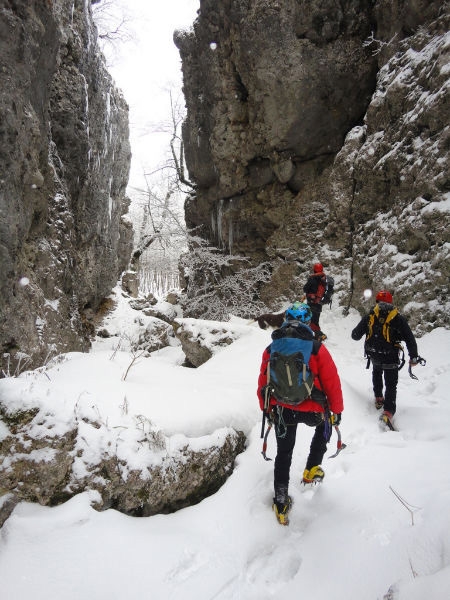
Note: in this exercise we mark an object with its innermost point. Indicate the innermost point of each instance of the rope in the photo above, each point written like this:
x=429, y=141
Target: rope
x=280, y=425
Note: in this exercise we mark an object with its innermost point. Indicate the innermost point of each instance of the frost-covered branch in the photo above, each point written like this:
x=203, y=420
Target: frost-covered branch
x=412, y=509
x=218, y=284
x=378, y=44
x=113, y=22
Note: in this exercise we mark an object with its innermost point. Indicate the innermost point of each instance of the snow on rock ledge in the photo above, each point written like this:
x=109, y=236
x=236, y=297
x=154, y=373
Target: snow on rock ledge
x=49, y=460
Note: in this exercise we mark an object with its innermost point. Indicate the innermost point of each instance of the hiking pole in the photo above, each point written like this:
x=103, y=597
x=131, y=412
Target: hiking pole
x=420, y=361
x=340, y=443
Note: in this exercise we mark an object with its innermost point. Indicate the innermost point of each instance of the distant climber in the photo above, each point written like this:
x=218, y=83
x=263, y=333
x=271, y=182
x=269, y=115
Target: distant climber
x=318, y=290
x=384, y=328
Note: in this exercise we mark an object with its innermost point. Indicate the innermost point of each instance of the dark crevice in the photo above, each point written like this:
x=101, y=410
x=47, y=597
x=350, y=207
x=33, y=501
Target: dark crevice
x=351, y=250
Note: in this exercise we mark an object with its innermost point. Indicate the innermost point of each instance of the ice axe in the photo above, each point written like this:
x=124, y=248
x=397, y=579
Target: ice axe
x=266, y=392
x=420, y=361
x=264, y=448
x=340, y=444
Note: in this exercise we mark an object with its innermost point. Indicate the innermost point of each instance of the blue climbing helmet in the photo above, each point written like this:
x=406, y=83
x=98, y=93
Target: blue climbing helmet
x=299, y=312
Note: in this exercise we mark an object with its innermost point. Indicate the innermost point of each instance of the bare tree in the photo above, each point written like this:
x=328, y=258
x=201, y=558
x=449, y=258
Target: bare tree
x=162, y=234
x=217, y=284
x=176, y=143
x=174, y=167
x=113, y=22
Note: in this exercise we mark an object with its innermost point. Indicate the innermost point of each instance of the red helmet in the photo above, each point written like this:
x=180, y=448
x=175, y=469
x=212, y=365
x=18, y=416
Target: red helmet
x=384, y=296
x=318, y=268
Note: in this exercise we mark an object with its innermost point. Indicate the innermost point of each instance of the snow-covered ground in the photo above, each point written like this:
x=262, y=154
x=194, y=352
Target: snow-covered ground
x=350, y=538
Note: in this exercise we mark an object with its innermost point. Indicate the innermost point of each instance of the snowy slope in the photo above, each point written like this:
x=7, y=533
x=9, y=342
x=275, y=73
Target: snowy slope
x=350, y=538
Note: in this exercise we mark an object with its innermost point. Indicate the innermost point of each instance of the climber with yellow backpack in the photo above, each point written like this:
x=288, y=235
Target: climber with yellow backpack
x=385, y=328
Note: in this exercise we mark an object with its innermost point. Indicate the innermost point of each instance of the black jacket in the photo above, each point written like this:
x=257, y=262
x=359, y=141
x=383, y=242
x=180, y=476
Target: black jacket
x=311, y=287
x=400, y=331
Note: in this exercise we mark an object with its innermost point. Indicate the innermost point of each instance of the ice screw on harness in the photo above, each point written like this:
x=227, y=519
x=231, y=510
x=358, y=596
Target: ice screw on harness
x=420, y=361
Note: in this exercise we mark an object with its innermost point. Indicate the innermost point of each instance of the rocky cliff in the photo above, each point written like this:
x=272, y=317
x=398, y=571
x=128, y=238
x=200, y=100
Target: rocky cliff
x=64, y=163
x=321, y=132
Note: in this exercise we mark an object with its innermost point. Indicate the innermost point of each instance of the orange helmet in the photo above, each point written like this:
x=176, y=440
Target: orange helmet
x=318, y=268
x=384, y=296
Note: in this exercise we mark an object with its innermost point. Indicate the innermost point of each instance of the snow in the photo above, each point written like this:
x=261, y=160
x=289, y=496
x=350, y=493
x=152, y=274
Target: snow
x=442, y=206
x=351, y=537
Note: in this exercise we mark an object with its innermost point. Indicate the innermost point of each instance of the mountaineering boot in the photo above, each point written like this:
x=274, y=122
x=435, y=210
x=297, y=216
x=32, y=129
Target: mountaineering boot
x=313, y=475
x=281, y=506
x=379, y=402
x=386, y=419
x=282, y=511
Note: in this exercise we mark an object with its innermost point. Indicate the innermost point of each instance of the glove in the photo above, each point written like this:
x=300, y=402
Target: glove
x=414, y=361
x=335, y=419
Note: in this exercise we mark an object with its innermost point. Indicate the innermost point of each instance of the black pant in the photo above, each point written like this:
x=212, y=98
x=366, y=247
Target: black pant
x=286, y=422
x=316, y=309
x=390, y=381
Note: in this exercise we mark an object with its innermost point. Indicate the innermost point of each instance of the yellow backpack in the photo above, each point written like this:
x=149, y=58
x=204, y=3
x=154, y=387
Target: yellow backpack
x=384, y=321
x=380, y=342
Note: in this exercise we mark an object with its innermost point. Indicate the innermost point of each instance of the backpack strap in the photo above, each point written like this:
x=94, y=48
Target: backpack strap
x=386, y=329
x=316, y=346
x=317, y=395
x=315, y=349
x=370, y=323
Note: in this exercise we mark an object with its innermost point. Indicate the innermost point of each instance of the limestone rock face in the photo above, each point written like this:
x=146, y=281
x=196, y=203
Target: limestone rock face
x=270, y=117
x=318, y=125
x=390, y=182
x=270, y=94
x=64, y=164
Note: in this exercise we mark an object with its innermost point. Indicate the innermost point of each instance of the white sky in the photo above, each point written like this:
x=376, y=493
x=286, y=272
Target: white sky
x=145, y=69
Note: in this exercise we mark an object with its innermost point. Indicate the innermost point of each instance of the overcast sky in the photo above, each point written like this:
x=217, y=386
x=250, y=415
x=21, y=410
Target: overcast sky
x=145, y=68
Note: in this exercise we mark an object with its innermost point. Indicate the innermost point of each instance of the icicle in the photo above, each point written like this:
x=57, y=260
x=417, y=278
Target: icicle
x=86, y=114
x=88, y=21
x=110, y=200
x=230, y=226
x=219, y=222
x=108, y=107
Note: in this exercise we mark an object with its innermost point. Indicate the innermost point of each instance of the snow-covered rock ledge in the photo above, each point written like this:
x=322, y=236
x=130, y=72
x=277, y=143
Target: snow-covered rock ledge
x=133, y=467
x=127, y=421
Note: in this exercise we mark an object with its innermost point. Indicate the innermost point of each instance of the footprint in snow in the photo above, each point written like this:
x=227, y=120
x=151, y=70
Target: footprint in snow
x=274, y=567
x=191, y=563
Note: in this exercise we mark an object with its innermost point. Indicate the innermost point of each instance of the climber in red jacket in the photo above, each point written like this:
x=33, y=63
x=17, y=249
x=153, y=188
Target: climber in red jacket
x=315, y=411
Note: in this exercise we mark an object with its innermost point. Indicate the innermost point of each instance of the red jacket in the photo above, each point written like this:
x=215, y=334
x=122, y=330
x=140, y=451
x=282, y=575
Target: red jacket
x=322, y=365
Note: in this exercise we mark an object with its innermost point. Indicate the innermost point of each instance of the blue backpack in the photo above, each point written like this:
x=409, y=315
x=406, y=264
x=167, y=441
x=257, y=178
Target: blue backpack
x=288, y=371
